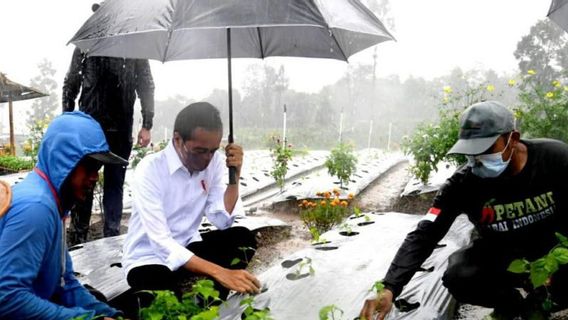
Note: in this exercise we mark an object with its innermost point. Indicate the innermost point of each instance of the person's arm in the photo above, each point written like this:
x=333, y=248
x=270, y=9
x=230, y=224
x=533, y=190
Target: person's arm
x=76, y=295
x=415, y=249
x=239, y=280
x=26, y=237
x=235, y=156
x=145, y=91
x=72, y=82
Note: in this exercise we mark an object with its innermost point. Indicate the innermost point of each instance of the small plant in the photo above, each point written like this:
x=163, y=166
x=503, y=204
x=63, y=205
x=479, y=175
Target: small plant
x=323, y=214
x=281, y=154
x=244, y=250
x=330, y=312
x=306, y=262
x=166, y=305
x=541, y=270
x=341, y=163
x=250, y=313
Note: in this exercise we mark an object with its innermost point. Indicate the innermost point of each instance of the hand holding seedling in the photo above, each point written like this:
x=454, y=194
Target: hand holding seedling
x=379, y=307
x=239, y=280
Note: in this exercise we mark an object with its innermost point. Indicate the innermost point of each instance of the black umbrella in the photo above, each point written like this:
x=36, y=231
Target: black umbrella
x=169, y=30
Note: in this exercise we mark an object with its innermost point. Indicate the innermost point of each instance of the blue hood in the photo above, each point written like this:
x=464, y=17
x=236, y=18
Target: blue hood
x=69, y=138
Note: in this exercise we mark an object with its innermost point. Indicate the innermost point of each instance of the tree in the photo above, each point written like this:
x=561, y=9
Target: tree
x=44, y=108
x=545, y=50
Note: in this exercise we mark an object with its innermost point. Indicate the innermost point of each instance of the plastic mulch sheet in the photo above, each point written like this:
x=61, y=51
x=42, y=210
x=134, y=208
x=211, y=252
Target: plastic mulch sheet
x=345, y=268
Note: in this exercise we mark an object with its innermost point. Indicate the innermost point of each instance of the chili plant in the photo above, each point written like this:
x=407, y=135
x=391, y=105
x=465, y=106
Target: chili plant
x=281, y=154
x=341, y=163
x=541, y=270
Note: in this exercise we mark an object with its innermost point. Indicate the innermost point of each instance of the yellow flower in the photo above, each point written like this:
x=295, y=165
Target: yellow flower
x=531, y=72
x=350, y=196
x=512, y=82
x=327, y=194
x=447, y=89
x=490, y=88
x=344, y=203
x=305, y=202
x=333, y=204
x=556, y=83
x=549, y=95
x=323, y=203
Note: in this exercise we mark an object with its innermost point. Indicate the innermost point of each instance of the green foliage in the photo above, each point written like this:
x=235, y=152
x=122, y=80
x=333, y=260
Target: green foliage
x=543, y=109
x=166, y=305
x=281, y=155
x=430, y=142
x=541, y=270
x=250, y=313
x=15, y=164
x=330, y=312
x=323, y=214
x=37, y=129
x=341, y=163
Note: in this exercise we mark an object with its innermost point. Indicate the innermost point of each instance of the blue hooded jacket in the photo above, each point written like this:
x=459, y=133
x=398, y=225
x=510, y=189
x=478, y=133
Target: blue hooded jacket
x=31, y=239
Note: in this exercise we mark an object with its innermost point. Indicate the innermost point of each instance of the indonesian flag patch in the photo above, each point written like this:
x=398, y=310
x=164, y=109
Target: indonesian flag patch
x=432, y=214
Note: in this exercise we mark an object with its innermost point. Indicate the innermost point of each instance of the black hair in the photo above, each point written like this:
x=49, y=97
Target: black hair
x=197, y=115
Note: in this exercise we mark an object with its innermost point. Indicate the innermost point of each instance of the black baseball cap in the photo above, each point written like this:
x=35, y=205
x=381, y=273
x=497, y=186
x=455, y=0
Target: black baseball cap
x=480, y=126
x=108, y=158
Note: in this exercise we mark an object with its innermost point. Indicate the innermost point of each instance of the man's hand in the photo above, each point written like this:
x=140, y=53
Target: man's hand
x=144, y=137
x=377, y=308
x=239, y=280
x=234, y=155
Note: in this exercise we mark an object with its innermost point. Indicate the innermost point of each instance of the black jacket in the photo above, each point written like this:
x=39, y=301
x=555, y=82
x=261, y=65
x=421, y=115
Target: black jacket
x=108, y=90
x=516, y=216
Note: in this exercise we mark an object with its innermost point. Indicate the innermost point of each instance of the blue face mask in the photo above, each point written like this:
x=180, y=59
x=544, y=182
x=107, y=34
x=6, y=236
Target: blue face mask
x=489, y=165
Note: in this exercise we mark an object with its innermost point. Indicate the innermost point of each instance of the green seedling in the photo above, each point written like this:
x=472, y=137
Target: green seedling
x=244, y=250
x=330, y=312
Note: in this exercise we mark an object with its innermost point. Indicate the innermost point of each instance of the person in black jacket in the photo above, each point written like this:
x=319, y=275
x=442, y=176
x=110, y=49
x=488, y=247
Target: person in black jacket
x=108, y=89
x=514, y=191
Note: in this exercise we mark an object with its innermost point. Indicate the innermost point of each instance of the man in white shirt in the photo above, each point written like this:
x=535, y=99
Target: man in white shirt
x=172, y=191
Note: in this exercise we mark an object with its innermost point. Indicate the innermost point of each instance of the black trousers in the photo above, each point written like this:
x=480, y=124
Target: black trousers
x=219, y=247
x=120, y=143
x=478, y=275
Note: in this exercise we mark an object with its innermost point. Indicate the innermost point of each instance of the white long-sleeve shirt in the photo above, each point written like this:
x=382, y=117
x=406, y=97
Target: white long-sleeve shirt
x=168, y=207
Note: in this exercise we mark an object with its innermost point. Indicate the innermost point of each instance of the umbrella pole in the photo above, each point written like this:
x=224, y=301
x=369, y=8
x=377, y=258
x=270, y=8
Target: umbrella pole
x=232, y=170
x=11, y=119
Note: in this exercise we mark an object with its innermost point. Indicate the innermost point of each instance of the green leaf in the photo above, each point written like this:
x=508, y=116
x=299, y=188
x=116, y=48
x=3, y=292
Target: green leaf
x=378, y=287
x=235, y=261
x=562, y=239
x=539, y=274
x=561, y=255
x=519, y=266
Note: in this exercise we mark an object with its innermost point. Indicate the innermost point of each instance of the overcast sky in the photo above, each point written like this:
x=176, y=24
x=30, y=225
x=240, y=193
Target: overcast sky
x=433, y=37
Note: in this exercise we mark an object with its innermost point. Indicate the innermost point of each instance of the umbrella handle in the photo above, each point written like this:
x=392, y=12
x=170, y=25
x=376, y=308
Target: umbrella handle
x=232, y=175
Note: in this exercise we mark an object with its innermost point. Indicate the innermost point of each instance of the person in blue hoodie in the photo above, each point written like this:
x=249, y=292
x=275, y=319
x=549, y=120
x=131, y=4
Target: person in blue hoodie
x=36, y=272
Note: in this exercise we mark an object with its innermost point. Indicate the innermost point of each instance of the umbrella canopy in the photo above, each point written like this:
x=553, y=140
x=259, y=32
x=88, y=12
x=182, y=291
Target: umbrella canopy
x=12, y=91
x=169, y=30
x=558, y=13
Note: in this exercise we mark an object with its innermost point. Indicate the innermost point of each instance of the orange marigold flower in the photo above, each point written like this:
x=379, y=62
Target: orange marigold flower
x=323, y=203
x=350, y=196
x=305, y=201
x=327, y=195
x=333, y=204
x=344, y=203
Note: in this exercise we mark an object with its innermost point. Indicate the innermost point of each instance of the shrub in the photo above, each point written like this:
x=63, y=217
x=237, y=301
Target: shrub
x=281, y=154
x=341, y=163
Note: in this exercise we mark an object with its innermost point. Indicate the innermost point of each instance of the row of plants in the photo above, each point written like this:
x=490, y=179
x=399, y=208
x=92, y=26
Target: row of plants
x=15, y=164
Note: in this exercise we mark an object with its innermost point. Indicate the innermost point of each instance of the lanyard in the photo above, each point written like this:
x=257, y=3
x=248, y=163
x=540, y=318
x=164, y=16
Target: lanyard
x=63, y=231
x=46, y=179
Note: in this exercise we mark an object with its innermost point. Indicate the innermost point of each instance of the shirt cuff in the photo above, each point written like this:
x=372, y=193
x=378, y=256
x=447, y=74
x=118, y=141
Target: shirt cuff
x=178, y=257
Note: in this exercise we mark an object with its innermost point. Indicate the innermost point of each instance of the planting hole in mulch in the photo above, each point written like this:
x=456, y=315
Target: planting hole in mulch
x=349, y=233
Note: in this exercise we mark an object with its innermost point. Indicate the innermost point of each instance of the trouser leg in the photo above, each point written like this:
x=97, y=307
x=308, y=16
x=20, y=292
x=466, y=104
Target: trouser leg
x=477, y=276
x=80, y=220
x=114, y=175
x=223, y=246
x=152, y=277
